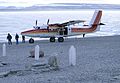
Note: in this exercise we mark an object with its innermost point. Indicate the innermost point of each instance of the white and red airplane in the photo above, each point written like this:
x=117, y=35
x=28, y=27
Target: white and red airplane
x=65, y=29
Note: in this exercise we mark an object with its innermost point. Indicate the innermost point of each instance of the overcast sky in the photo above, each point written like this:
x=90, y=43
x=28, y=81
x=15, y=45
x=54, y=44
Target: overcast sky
x=31, y=2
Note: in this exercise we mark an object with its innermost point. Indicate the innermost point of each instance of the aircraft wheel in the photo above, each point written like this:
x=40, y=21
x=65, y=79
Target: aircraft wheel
x=52, y=39
x=31, y=40
x=60, y=39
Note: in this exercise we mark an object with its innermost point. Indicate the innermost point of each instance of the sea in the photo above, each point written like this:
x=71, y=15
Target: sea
x=17, y=21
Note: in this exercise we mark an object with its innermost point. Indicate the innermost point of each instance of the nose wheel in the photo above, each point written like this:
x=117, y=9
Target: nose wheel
x=31, y=40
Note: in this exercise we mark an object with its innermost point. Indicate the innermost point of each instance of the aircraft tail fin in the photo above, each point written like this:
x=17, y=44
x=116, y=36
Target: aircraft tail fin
x=96, y=17
x=95, y=21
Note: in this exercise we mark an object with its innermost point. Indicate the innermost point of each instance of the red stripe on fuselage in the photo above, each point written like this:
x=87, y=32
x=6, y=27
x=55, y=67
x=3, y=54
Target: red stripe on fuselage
x=35, y=31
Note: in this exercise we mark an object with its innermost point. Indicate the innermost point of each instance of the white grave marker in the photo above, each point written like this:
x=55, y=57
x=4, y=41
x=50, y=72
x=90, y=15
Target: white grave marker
x=4, y=49
x=72, y=56
x=37, y=52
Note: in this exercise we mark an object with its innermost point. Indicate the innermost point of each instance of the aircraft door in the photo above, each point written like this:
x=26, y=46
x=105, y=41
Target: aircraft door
x=61, y=32
x=69, y=30
x=65, y=31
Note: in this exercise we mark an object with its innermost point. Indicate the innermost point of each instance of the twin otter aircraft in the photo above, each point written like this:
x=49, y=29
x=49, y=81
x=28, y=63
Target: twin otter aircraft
x=65, y=29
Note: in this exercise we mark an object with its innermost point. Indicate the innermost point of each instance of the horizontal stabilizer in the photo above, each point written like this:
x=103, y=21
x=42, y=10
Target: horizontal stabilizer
x=101, y=24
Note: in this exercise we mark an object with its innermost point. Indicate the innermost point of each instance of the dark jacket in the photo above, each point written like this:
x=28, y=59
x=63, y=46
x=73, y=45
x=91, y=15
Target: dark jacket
x=16, y=37
x=9, y=37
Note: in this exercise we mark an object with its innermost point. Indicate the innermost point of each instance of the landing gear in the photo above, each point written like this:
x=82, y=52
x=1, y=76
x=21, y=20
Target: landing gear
x=60, y=39
x=31, y=40
x=52, y=39
x=83, y=35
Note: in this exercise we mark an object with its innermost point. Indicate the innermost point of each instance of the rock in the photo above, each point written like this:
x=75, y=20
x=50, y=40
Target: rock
x=41, y=54
x=4, y=63
x=4, y=74
x=1, y=65
x=38, y=64
x=32, y=53
x=116, y=77
x=52, y=61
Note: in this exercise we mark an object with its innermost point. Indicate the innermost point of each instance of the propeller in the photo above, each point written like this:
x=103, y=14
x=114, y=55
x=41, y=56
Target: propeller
x=48, y=25
x=36, y=23
x=48, y=21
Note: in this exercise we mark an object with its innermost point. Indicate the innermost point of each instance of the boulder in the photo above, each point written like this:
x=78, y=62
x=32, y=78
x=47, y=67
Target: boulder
x=32, y=53
x=52, y=61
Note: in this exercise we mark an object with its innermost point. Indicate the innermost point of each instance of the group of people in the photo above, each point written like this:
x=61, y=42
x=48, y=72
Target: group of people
x=9, y=38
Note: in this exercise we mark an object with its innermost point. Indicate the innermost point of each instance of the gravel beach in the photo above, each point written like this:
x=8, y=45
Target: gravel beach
x=98, y=61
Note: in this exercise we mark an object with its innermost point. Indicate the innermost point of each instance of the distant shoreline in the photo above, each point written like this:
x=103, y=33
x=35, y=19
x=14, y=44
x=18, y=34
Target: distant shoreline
x=55, y=10
x=61, y=6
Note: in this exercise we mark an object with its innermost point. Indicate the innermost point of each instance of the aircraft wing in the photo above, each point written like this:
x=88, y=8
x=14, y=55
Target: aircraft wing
x=72, y=22
x=66, y=23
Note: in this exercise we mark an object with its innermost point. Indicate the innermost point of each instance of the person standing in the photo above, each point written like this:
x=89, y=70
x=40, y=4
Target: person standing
x=23, y=39
x=16, y=38
x=9, y=37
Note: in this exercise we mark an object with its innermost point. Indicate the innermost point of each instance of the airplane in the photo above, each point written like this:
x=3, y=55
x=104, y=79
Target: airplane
x=66, y=29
